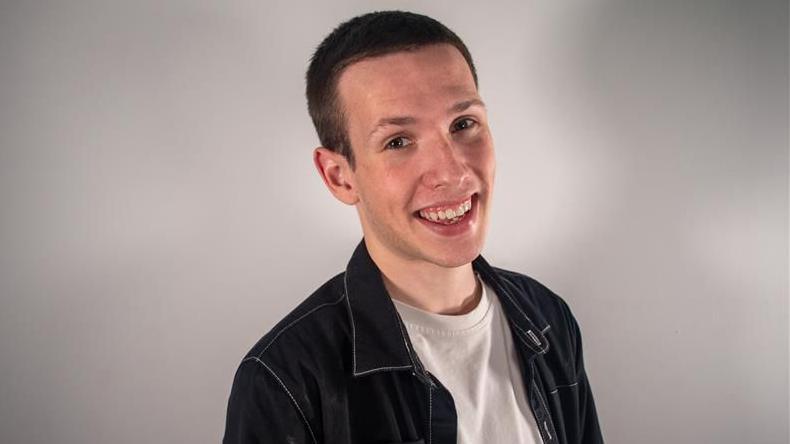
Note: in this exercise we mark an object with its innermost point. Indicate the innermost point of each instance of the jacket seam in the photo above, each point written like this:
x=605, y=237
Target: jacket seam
x=545, y=407
x=541, y=350
x=394, y=312
x=353, y=327
x=354, y=339
x=430, y=414
x=518, y=306
x=382, y=369
x=557, y=388
x=295, y=321
x=288, y=392
x=547, y=292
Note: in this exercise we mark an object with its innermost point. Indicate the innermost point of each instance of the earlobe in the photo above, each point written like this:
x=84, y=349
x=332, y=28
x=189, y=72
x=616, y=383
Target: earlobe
x=336, y=174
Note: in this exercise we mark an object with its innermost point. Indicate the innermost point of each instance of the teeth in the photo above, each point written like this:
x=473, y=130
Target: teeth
x=448, y=216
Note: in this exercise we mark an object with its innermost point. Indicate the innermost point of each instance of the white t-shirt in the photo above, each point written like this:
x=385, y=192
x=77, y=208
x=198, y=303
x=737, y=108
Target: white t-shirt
x=474, y=358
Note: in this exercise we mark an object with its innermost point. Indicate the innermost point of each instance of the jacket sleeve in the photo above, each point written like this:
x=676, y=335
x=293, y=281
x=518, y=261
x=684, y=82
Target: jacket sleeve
x=261, y=409
x=588, y=417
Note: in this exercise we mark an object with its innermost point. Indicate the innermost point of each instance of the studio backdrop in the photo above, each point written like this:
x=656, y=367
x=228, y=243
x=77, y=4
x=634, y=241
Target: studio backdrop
x=159, y=209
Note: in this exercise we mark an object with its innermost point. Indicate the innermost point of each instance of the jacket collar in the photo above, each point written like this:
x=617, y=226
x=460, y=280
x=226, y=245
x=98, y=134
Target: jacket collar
x=379, y=339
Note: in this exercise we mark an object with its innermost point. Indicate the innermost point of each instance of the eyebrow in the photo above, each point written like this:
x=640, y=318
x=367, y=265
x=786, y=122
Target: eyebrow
x=461, y=106
x=387, y=121
x=409, y=120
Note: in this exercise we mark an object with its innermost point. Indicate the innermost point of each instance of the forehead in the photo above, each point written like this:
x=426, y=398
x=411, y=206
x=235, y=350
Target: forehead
x=413, y=79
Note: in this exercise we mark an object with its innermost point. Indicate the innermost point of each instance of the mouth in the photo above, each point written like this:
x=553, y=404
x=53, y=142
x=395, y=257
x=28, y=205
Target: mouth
x=449, y=214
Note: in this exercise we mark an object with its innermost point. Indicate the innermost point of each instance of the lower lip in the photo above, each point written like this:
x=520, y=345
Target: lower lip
x=461, y=227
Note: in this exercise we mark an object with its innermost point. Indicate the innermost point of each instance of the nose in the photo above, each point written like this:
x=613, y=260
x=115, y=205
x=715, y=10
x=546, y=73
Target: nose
x=446, y=166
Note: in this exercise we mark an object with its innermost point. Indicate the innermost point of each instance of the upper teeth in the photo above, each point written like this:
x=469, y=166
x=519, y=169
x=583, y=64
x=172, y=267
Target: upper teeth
x=447, y=213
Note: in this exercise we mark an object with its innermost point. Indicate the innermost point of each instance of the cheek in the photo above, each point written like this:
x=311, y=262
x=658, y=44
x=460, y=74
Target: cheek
x=385, y=191
x=482, y=157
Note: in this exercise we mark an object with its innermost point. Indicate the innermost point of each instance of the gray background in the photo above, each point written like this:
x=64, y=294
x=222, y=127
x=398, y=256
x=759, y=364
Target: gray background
x=160, y=210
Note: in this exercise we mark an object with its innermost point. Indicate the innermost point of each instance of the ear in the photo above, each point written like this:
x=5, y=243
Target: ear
x=337, y=175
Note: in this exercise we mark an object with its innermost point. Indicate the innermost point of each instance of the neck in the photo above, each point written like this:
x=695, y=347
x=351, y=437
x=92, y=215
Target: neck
x=427, y=286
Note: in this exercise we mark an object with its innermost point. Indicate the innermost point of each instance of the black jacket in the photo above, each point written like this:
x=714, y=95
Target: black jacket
x=340, y=368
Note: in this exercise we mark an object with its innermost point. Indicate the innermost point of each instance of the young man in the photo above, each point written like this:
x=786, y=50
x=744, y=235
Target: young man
x=419, y=340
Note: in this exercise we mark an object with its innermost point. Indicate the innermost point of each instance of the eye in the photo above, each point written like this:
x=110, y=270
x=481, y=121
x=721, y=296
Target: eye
x=462, y=124
x=398, y=143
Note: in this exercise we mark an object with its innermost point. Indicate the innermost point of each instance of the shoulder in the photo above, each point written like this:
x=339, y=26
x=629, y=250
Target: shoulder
x=315, y=331
x=275, y=386
x=537, y=298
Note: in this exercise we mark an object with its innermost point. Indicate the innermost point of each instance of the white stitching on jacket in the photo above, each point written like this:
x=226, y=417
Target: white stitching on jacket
x=381, y=369
x=541, y=351
x=556, y=389
x=548, y=415
x=546, y=427
x=282, y=330
x=353, y=328
x=354, y=340
x=296, y=404
x=534, y=338
x=518, y=307
x=430, y=414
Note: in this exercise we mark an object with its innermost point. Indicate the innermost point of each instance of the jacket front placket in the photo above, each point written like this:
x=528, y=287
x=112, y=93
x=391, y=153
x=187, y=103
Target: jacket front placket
x=530, y=341
x=381, y=344
x=387, y=341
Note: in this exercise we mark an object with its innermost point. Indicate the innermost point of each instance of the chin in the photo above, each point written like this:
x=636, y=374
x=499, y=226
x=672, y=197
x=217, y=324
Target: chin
x=455, y=258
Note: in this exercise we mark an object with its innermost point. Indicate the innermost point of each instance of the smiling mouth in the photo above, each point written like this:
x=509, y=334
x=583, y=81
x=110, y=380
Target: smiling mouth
x=448, y=214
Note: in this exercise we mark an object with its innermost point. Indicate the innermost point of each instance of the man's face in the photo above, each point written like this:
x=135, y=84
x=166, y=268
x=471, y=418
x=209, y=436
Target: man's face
x=421, y=143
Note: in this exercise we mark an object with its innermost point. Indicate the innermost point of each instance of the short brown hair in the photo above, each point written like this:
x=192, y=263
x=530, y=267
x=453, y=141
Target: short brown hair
x=368, y=35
